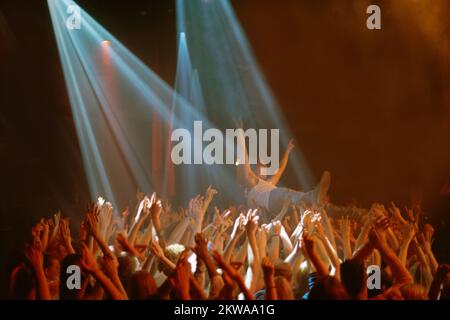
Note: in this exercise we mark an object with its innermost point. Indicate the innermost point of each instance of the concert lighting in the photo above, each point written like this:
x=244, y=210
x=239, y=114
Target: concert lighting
x=232, y=84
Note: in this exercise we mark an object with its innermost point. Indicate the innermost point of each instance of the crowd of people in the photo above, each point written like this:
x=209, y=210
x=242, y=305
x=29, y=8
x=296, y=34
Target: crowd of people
x=305, y=251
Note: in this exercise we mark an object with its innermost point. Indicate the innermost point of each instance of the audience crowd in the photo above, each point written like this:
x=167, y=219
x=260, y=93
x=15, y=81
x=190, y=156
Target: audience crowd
x=202, y=252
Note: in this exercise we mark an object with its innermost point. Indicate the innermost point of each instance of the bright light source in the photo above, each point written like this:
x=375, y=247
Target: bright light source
x=122, y=110
x=100, y=201
x=232, y=85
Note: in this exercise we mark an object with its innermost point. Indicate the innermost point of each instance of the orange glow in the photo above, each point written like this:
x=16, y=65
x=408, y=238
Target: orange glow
x=106, y=43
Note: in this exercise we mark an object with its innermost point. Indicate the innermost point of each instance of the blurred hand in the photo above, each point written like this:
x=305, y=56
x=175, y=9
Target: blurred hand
x=268, y=267
x=34, y=256
x=201, y=246
x=156, y=250
x=88, y=261
x=375, y=239
x=276, y=228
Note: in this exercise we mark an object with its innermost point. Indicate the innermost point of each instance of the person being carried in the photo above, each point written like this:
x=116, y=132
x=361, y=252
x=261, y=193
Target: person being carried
x=262, y=191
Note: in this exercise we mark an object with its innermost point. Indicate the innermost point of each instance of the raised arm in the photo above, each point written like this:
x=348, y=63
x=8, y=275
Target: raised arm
x=400, y=274
x=238, y=231
x=311, y=251
x=408, y=233
x=269, y=279
x=233, y=274
x=35, y=257
x=89, y=263
x=244, y=170
x=284, y=161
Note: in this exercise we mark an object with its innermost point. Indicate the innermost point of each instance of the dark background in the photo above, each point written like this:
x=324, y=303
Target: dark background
x=373, y=107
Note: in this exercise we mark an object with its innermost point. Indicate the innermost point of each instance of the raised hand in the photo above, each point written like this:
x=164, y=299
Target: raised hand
x=308, y=243
x=238, y=227
x=195, y=208
x=201, y=246
x=396, y=214
x=306, y=221
x=231, y=271
x=408, y=232
x=92, y=225
x=252, y=222
x=106, y=220
x=381, y=223
x=181, y=277
x=123, y=242
x=83, y=232
x=44, y=233
x=376, y=240
x=222, y=218
x=155, y=213
x=65, y=235
x=34, y=255
x=110, y=265
x=410, y=214
x=268, y=267
x=428, y=232
x=156, y=250
x=276, y=228
x=88, y=261
x=210, y=193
